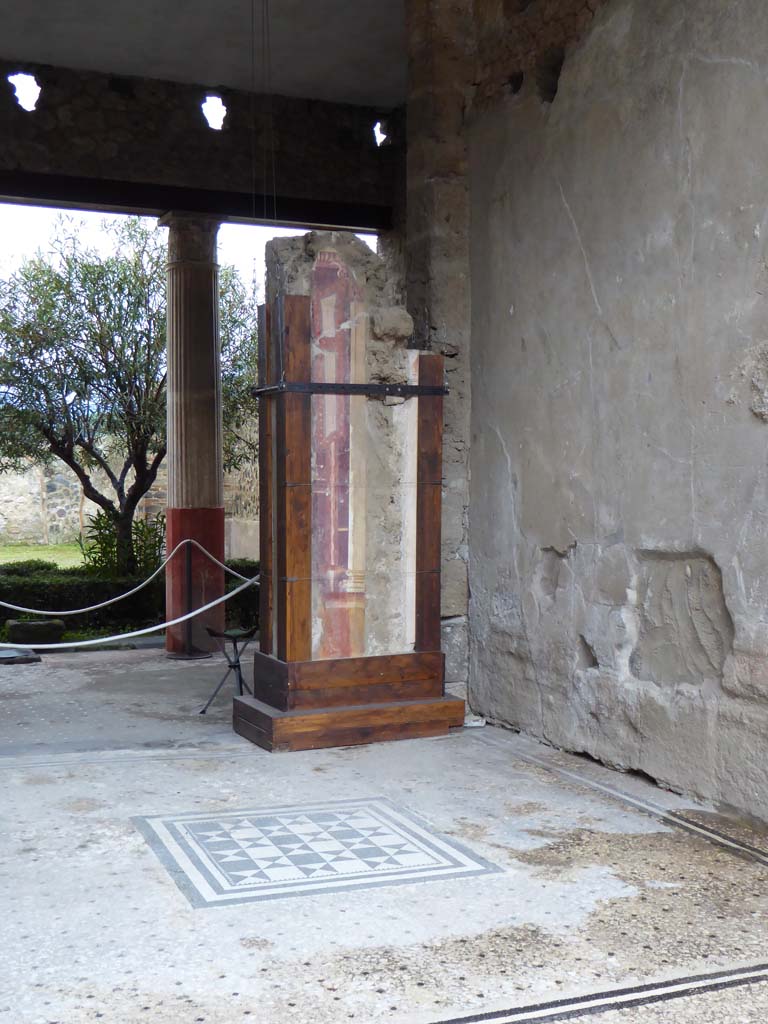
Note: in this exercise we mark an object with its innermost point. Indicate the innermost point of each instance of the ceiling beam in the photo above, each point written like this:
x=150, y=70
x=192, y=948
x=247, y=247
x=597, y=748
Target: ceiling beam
x=112, y=196
x=103, y=142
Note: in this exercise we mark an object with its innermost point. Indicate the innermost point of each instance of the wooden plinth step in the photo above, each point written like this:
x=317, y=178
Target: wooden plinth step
x=347, y=682
x=273, y=729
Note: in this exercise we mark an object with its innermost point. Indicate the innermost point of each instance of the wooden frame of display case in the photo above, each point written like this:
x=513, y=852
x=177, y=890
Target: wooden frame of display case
x=300, y=703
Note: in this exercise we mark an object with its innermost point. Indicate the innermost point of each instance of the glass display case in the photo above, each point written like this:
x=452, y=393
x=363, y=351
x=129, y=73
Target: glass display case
x=350, y=464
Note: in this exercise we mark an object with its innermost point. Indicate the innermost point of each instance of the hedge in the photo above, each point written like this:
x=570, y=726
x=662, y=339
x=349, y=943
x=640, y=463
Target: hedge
x=243, y=610
x=61, y=589
x=30, y=567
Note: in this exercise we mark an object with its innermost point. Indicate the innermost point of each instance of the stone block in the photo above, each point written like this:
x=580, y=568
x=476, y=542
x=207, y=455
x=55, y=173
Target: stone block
x=18, y=656
x=241, y=538
x=391, y=322
x=455, y=588
x=455, y=500
x=455, y=641
x=686, y=630
x=39, y=631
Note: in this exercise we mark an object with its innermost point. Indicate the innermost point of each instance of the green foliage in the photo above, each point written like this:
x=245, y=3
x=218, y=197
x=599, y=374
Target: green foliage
x=62, y=589
x=148, y=543
x=243, y=610
x=83, y=365
x=62, y=555
x=28, y=567
x=99, y=545
x=82, y=353
x=79, y=588
x=247, y=567
x=239, y=349
x=101, y=550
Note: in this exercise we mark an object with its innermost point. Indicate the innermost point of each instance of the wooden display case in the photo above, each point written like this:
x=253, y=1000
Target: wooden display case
x=343, y=660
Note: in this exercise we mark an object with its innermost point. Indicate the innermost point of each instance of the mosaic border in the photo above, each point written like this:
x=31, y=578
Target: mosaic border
x=195, y=881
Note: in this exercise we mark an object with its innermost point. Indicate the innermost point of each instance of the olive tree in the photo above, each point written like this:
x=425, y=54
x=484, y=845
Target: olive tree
x=83, y=365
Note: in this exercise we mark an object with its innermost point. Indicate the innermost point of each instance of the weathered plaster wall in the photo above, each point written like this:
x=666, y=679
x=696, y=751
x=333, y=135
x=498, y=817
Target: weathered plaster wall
x=619, y=468
x=519, y=37
x=461, y=55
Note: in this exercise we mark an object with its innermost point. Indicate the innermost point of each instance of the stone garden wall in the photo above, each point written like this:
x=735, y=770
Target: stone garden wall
x=46, y=506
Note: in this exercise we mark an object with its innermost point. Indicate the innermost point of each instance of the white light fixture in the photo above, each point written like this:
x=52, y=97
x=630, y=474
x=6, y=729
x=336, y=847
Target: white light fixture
x=214, y=112
x=379, y=134
x=27, y=90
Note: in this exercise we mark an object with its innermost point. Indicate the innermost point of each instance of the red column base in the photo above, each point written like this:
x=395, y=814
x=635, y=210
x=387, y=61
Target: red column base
x=206, y=526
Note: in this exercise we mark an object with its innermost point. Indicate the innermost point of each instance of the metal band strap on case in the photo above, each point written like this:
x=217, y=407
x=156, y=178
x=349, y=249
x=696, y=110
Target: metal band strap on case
x=370, y=390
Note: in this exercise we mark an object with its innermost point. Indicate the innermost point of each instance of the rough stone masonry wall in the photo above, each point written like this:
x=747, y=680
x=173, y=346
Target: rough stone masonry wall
x=618, y=528
x=45, y=505
x=461, y=55
x=437, y=259
x=39, y=507
x=144, y=131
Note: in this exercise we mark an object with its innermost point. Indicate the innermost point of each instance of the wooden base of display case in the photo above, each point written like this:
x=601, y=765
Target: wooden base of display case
x=345, y=702
x=345, y=726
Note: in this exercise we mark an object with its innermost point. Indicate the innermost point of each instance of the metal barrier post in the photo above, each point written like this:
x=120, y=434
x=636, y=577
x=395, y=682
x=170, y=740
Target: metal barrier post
x=188, y=584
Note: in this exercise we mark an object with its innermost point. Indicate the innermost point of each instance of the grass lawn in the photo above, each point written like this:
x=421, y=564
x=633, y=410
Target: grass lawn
x=63, y=555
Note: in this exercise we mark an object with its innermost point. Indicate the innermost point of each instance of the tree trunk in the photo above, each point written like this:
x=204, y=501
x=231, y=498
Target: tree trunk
x=126, y=558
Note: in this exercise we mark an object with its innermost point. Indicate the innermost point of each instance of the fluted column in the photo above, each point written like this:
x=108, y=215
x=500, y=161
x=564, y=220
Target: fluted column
x=195, y=475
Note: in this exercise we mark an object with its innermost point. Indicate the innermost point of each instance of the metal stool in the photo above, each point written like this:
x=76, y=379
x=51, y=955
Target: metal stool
x=235, y=637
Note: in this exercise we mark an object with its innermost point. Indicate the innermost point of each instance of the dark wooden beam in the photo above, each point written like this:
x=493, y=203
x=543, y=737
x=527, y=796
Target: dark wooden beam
x=266, y=487
x=429, y=478
x=112, y=196
x=293, y=478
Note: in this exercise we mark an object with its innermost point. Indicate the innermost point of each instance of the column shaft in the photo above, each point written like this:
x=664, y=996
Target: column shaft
x=195, y=475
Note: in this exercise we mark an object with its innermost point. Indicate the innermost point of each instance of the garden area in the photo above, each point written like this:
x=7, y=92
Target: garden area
x=83, y=377
x=63, y=577
x=63, y=556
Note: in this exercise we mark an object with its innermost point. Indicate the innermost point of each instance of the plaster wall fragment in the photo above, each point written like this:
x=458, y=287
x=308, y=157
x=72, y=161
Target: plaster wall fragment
x=621, y=405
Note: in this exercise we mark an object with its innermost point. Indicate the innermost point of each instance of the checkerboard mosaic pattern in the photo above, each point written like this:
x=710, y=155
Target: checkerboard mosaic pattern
x=246, y=856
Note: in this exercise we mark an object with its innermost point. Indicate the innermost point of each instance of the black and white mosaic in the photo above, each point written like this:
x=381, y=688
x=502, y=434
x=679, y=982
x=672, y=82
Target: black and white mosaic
x=246, y=856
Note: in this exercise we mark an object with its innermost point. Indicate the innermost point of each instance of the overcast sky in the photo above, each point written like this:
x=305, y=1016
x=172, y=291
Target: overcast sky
x=26, y=229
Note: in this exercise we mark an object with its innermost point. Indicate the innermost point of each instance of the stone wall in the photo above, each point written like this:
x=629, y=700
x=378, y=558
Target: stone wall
x=41, y=506
x=519, y=39
x=46, y=506
x=437, y=260
x=107, y=128
x=619, y=564
x=462, y=57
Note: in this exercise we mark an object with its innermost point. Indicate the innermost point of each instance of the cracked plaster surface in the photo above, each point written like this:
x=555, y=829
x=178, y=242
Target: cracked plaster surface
x=619, y=274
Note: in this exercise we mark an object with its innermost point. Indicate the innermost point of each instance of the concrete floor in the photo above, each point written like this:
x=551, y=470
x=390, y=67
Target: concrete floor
x=605, y=881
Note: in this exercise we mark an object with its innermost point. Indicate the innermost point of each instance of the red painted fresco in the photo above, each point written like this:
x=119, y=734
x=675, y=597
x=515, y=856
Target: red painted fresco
x=339, y=607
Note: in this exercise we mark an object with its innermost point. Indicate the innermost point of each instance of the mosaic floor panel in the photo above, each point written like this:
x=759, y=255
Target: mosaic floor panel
x=272, y=853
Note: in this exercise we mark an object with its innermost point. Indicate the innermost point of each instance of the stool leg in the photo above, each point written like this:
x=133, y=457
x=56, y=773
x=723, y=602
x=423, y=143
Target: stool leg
x=243, y=683
x=212, y=698
x=236, y=664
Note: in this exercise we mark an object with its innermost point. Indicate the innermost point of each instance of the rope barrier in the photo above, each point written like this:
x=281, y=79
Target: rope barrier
x=136, y=632
x=213, y=558
x=129, y=593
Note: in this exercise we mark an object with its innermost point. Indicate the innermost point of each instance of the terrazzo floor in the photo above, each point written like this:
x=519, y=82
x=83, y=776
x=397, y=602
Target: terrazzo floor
x=156, y=867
